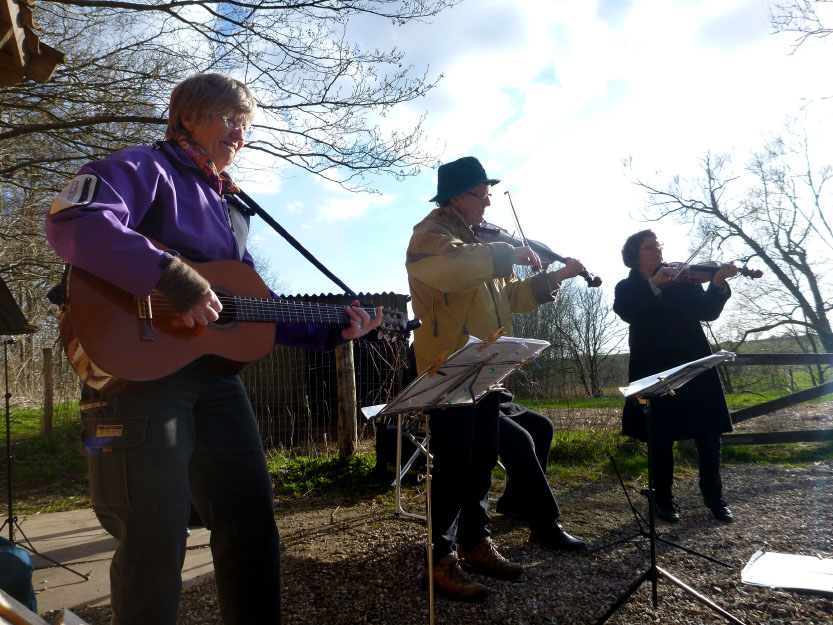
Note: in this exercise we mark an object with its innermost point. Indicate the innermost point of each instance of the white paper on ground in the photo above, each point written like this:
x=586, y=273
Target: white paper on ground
x=789, y=571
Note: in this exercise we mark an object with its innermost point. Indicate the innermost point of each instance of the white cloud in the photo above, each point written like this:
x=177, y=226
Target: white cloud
x=352, y=206
x=295, y=208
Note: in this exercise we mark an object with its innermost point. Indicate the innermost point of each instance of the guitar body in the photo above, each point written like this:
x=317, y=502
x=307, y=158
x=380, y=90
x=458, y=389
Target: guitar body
x=114, y=339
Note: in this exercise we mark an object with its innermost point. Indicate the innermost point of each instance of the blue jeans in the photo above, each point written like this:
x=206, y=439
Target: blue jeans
x=464, y=444
x=189, y=437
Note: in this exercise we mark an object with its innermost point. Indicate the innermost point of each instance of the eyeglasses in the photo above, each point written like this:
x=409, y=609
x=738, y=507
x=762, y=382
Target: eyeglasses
x=233, y=124
x=482, y=197
x=653, y=246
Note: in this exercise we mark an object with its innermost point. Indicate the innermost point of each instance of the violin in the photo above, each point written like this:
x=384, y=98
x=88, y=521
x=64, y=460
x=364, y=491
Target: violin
x=490, y=233
x=699, y=273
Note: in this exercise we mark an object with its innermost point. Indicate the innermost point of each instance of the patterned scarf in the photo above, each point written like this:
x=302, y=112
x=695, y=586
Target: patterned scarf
x=220, y=181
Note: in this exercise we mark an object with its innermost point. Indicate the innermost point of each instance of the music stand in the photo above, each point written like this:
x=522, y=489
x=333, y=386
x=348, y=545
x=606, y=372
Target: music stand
x=464, y=378
x=644, y=390
x=13, y=322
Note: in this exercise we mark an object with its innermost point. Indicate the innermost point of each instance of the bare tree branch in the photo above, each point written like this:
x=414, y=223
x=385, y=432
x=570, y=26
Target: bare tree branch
x=776, y=218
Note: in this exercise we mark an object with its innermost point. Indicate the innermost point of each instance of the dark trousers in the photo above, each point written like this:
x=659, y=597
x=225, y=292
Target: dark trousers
x=464, y=444
x=524, y=447
x=708, y=456
x=191, y=436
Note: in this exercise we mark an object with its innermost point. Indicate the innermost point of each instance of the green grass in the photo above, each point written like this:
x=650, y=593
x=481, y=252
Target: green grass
x=750, y=398
x=48, y=476
x=577, y=456
x=25, y=422
x=540, y=405
x=581, y=447
x=301, y=475
x=780, y=454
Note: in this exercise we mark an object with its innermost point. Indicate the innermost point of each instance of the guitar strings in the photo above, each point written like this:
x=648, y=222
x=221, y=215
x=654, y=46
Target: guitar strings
x=260, y=307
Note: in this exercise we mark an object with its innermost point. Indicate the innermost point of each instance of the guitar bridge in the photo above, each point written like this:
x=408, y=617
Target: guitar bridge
x=145, y=318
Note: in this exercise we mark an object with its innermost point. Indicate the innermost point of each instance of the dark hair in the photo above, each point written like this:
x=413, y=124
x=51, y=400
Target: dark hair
x=630, y=250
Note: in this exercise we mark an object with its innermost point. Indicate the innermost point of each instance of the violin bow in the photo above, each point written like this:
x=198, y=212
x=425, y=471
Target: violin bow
x=518, y=225
x=592, y=281
x=515, y=215
x=683, y=266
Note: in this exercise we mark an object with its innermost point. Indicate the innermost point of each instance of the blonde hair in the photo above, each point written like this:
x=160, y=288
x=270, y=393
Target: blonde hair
x=200, y=95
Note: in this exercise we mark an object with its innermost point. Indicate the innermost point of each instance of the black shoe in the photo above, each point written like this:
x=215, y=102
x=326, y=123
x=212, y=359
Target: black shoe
x=507, y=509
x=556, y=538
x=722, y=512
x=667, y=511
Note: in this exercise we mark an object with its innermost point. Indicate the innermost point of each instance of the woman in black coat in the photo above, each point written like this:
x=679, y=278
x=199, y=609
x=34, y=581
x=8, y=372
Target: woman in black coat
x=664, y=315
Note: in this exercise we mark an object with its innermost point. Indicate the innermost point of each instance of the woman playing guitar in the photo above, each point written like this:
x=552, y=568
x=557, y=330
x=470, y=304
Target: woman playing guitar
x=189, y=436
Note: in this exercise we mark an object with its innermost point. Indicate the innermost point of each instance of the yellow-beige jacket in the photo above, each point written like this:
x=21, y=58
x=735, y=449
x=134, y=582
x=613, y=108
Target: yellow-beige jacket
x=462, y=287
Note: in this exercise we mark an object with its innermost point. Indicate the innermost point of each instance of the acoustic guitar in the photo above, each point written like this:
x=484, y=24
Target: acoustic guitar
x=114, y=340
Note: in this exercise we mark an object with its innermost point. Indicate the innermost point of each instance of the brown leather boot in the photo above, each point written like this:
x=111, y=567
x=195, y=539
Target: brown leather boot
x=484, y=558
x=453, y=582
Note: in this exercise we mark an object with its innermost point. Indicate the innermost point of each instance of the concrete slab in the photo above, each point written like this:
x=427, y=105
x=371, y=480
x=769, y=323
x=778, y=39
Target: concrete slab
x=75, y=540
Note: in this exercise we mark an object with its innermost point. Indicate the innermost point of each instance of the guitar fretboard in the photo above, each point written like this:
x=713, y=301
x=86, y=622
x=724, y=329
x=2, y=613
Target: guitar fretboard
x=274, y=311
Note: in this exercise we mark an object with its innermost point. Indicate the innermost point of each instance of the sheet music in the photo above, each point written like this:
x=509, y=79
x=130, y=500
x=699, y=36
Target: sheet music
x=467, y=374
x=675, y=377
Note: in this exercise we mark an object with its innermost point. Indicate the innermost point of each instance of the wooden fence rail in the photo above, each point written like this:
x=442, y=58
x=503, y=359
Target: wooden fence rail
x=765, y=438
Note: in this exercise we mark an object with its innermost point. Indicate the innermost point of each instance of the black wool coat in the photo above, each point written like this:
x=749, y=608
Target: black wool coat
x=665, y=332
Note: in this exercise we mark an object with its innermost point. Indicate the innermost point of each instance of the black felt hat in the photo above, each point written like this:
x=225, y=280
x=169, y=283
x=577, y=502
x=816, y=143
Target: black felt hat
x=455, y=177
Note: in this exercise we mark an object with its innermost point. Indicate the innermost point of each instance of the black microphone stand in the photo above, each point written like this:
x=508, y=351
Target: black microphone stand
x=644, y=390
x=12, y=321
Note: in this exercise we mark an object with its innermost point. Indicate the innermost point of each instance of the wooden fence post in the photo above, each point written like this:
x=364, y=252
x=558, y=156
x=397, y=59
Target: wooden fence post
x=47, y=393
x=348, y=437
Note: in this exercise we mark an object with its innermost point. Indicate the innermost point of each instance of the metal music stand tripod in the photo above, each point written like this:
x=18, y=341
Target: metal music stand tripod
x=644, y=390
x=464, y=378
x=13, y=322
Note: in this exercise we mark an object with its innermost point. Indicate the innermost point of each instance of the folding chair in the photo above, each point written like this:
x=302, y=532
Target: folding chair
x=401, y=471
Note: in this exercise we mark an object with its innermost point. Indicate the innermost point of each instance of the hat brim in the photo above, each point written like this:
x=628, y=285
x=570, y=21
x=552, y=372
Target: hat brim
x=440, y=197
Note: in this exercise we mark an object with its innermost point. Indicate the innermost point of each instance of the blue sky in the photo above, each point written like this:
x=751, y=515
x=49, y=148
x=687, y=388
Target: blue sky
x=551, y=96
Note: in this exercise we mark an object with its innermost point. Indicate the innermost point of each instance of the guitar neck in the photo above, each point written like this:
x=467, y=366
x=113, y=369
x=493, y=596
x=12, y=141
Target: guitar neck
x=274, y=311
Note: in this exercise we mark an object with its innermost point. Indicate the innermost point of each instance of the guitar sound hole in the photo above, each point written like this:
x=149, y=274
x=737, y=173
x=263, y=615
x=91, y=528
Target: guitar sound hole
x=229, y=313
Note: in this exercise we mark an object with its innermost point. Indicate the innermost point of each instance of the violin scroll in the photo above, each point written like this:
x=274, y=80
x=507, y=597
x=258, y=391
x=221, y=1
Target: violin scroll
x=592, y=281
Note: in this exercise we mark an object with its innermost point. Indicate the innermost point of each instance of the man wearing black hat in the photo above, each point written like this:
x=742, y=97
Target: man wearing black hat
x=461, y=287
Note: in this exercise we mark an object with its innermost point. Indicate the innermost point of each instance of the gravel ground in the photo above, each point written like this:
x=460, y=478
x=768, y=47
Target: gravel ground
x=353, y=561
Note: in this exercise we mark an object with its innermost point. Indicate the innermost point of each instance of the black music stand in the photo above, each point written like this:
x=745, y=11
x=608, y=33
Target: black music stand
x=644, y=390
x=13, y=322
x=464, y=378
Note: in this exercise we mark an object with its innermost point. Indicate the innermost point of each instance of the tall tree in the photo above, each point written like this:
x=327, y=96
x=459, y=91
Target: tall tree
x=584, y=336
x=775, y=214
x=593, y=335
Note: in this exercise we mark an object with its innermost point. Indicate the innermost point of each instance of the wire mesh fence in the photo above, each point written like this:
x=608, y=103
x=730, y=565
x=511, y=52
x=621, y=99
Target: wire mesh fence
x=295, y=396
